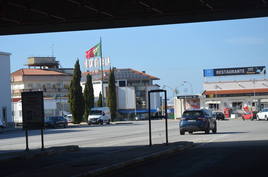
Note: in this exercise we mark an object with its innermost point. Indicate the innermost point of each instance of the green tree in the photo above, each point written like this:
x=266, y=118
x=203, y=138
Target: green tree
x=111, y=100
x=99, y=103
x=76, y=99
x=88, y=96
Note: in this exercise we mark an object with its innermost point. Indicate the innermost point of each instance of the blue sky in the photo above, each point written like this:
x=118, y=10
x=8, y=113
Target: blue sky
x=174, y=53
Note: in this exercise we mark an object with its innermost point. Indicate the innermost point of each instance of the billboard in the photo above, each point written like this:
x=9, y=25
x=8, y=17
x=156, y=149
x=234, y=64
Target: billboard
x=234, y=71
x=95, y=63
x=32, y=110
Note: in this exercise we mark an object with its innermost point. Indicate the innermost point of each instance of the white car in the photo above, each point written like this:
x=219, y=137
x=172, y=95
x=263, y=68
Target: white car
x=263, y=114
x=69, y=118
x=99, y=115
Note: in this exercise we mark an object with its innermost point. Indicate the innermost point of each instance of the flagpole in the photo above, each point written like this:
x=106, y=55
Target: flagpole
x=102, y=89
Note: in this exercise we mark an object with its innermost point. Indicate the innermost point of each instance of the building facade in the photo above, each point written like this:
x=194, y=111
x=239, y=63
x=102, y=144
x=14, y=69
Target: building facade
x=132, y=90
x=237, y=96
x=186, y=102
x=53, y=81
x=5, y=94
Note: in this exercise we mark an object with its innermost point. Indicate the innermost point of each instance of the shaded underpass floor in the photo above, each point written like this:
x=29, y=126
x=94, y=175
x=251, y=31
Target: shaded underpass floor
x=75, y=161
x=221, y=159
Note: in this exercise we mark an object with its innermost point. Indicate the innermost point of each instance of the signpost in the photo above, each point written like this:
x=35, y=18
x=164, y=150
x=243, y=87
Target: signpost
x=165, y=116
x=234, y=71
x=33, y=113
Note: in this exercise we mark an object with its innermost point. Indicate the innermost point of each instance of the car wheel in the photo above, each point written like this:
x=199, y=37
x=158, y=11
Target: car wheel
x=89, y=123
x=101, y=122
x=108, y=122
x=182, y=132
x=191, y=132
x=258, y=117
x=266, y=118
x=214, y=130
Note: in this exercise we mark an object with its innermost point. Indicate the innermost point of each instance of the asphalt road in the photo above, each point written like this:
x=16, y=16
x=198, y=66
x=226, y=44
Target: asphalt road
x=238, y=149
x=132, y=133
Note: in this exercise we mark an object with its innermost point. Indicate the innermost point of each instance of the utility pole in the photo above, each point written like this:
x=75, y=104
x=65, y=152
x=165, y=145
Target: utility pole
x=102, y=89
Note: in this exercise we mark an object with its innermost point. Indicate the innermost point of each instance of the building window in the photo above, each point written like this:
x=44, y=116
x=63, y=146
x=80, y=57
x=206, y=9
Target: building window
x=213, y=106
x=38, y=86
x=30, y=86
x=122, y=83
x=237, y=105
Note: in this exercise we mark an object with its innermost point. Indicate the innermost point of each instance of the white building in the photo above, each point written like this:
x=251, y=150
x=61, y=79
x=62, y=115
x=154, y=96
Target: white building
x=132, y=90
x=236, y=95
x=186, y=102
x=52, y=107
x=53, y=81
x=5, y=94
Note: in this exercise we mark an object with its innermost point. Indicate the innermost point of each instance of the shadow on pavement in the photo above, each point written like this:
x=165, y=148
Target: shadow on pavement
x=21, y=133
x=73, y=163
x=218, y=133
x=98, y=160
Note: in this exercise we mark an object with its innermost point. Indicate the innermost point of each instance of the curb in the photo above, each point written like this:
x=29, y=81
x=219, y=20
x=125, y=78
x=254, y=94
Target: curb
x=120, y=165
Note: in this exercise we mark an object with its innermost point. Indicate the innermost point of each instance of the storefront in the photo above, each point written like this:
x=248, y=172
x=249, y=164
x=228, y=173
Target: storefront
x=238, y=96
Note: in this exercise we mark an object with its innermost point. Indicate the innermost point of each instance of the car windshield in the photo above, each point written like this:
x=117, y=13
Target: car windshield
x=192, y=114
x=265, y=110
x=96, y=112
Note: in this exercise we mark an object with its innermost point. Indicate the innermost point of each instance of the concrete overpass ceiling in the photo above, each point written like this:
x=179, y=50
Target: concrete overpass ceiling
x=31, y=16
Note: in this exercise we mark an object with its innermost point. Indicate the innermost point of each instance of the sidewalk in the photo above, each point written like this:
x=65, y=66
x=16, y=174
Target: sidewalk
x=78, y=162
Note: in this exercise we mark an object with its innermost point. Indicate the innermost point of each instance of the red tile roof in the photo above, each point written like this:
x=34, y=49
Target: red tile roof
x=16, y=99
x=132, y=70
x=36, y=72
x=218, y=92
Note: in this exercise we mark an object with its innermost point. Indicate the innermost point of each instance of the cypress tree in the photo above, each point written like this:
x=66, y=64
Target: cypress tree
x=76, y=99
x=111, y=101
x=99, y=103
x=88, y=96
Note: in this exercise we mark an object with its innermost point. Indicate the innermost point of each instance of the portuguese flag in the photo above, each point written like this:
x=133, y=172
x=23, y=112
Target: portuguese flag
x=94, y=51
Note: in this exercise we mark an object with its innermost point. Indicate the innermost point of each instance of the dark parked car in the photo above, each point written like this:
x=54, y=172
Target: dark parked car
x=56, y=121
x=197, y=120
x=219, y=115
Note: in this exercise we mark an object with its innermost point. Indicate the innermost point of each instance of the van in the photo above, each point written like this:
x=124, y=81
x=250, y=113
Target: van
x=99, y=115
x=69, y=118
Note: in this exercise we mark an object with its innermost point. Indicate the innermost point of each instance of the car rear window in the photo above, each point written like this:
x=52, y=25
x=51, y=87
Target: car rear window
x=192, y=114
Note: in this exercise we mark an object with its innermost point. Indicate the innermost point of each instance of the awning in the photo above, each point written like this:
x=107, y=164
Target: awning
x=129, y=111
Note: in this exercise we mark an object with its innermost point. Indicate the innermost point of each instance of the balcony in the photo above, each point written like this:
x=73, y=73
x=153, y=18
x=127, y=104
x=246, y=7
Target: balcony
x=47, y=92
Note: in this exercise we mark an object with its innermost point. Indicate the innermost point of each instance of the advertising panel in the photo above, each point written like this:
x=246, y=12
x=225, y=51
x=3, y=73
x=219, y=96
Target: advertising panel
x=234, y=71
x=32, y=110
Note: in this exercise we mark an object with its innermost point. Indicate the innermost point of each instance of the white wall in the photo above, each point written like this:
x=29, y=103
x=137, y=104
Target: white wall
x=155, y=97
x=50, y=106
x=5, y=93
x=236, y=85
x=126, y=98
